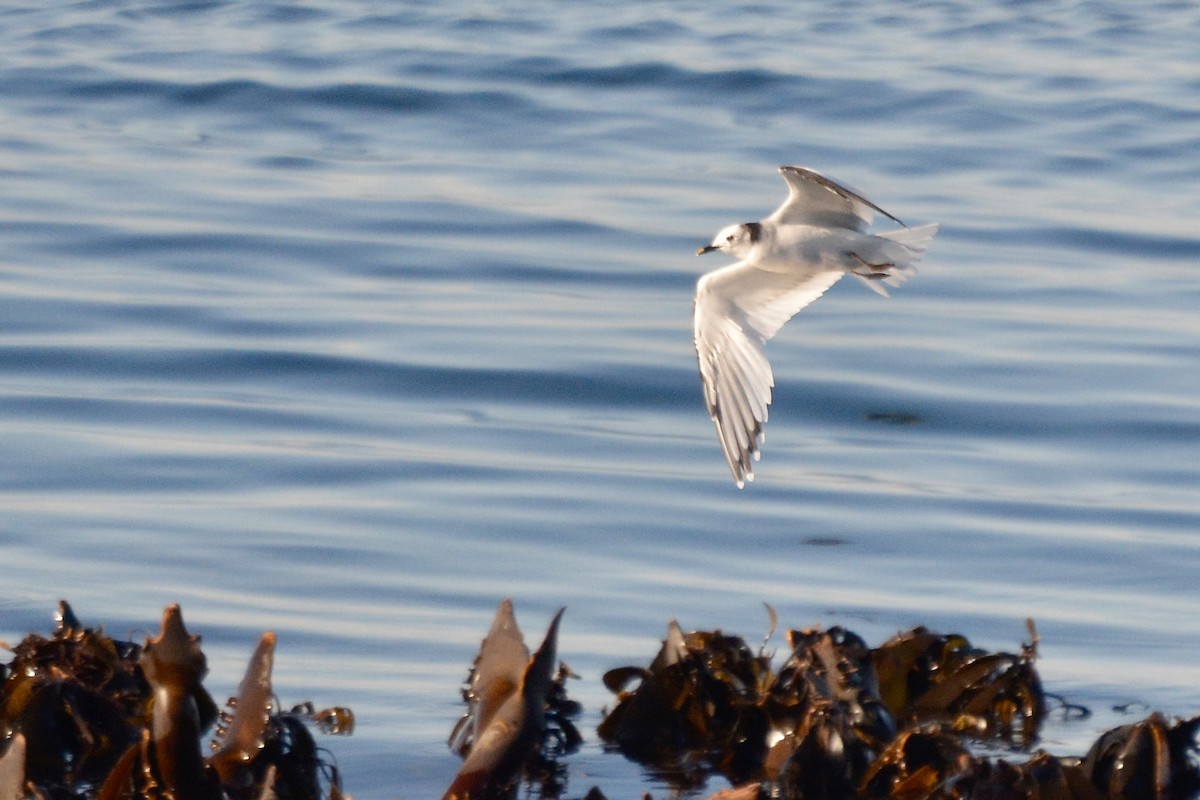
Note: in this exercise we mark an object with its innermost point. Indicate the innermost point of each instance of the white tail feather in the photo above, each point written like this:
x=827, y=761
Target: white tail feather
x=915, y=242
x=915, y=239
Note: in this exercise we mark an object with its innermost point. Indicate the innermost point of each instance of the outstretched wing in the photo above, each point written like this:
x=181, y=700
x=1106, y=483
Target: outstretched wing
x=738, y=309
x=814, y=199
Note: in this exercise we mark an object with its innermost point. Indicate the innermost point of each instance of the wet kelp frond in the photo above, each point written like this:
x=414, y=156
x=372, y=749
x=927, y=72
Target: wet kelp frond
x=83, y=715
x=180, y=710
x=1152, y=759
x=707, y=702
x=704, y=703
x=831, y=678
x=78, y=699
x=518, y=715
x=841, y=720
x=929, y=676
x=91, y=716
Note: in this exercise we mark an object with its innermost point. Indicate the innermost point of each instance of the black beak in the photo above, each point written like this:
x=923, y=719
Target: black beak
x=707, y=249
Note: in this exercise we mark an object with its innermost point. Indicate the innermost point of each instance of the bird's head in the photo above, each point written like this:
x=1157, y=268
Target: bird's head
x=736, y=240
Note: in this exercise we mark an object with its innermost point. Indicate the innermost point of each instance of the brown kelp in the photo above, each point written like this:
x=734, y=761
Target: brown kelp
x=180, y=710
x=708, y=702
x=90, y=716
x=1152, y=759
x=83, y=715
x=929, y=676
x=700, y=705
x=77, y=698
x=841, y=720
x=517, y=711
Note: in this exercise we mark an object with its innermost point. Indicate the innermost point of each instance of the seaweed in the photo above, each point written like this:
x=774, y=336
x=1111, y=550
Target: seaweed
x=85, y=715
x=518, y=718
x=842, y=720
x=929, y=676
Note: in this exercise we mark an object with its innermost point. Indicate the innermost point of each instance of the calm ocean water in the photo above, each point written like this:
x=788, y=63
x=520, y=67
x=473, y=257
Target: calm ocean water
x=349, y=319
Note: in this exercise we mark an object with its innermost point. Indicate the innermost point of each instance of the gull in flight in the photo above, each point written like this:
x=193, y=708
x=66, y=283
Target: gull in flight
x=785, y=262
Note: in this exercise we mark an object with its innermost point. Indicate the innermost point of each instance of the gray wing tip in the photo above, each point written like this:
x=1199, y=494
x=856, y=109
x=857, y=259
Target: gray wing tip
x=804, y=172
x=742, y=473
x=741, y=462
x=839, y=189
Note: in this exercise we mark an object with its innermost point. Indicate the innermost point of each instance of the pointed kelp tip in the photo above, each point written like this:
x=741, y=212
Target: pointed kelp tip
x=174, y=647
x=245, y=733
x=65, y=621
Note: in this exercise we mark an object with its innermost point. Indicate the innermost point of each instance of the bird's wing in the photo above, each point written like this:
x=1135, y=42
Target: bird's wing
x=738, y=309
x=814, y=199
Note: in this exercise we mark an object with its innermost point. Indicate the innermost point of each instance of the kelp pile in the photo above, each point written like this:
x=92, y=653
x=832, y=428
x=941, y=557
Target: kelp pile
x=817, y=725
x=518, y=719
x=86, y=715
x=837, y=720
x=841, y=720
x=83, y=715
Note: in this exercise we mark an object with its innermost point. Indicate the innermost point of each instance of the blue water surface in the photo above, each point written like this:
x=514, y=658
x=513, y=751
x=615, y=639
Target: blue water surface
x=349, y=319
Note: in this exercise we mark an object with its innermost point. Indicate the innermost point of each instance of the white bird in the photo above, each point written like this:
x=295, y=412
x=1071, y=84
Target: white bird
x=786, y=261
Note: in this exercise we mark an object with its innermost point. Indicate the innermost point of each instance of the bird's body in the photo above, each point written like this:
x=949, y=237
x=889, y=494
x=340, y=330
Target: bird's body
x=787, y=260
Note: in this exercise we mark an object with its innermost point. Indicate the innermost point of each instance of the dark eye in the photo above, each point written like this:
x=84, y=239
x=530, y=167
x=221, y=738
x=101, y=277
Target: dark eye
x=729, y=238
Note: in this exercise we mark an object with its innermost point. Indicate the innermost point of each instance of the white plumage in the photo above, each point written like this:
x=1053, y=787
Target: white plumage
x=786, y=261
